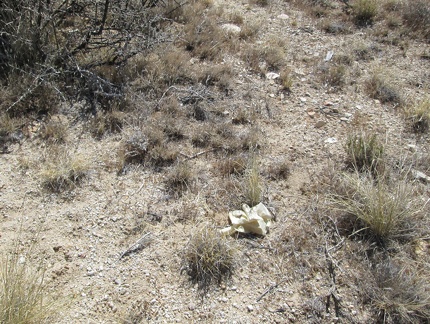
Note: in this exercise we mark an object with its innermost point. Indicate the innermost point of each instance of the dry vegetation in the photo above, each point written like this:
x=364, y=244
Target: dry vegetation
x=127, y=118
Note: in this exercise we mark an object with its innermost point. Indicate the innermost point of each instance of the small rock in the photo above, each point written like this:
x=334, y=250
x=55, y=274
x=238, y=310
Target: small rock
x=302, y=99
x=224, y=299
x=250, y=308
x=328, y=103
x=421, y=176
x=331, y=140
x=117, y=281
x=412, y=148
x=283, y=16
x=311, y=114
x=234, y=288
x=320, y=124
x=272, y=75
x=192, y=307
x=344, y=119
x=231, y=28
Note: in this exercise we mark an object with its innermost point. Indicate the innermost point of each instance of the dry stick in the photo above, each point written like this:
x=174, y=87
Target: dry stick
x=270, y=289
x=139, y=245
x=195, y=155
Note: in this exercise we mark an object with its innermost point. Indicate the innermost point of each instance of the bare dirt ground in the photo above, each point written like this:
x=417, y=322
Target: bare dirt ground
x=82, y=233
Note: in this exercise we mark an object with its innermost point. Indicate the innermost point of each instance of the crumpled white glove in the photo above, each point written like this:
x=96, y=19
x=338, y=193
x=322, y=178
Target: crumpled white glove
x=255, y=220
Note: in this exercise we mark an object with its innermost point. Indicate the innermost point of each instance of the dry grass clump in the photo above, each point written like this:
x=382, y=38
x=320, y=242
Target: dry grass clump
x=162, y=155
x=201, y=137
x=252, y=183
x=280, y=170
x=381, y=211
x=333, y=75
x=261, y=3
x=364, y=12
x=54, y=131
x=378, y=88
x=286, y=80
x=106, y=123
x=364, y=153
x=24, y=297
x=419, y=116
x=63, y=171
x=218, y=75
x=232, y=165
x=401, y=293
x=180, y=178
x=249, y=30
x=205, y=39
x=208, y=258
x=416, y=14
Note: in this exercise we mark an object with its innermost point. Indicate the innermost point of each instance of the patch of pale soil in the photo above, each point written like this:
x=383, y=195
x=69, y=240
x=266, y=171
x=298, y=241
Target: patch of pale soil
x=82, y=234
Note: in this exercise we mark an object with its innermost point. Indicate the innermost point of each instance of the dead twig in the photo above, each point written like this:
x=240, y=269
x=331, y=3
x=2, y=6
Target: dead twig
x=136, y=247
x=270, y=289
x=188, y=157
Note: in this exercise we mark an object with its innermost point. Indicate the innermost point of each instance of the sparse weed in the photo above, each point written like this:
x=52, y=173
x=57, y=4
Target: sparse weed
x=208, y=258
x=364, y=153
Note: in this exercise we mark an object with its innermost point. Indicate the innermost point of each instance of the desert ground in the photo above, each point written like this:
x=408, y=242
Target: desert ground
x=112, y=197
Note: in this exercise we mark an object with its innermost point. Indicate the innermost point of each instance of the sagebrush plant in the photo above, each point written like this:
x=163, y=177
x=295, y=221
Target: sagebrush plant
x=384, y=211
x=62, y=170
x=364, y=152
x=208, y=258
x=364, y=12
x=419, y=116
x=24, y=295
